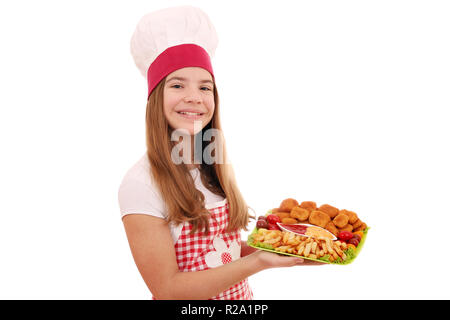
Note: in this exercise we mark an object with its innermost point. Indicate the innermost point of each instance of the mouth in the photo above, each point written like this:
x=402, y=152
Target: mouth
x=191, y=115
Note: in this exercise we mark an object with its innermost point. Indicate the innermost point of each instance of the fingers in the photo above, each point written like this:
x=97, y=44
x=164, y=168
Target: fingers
x=313, y=263
x=306, y=262
x=292, y=261
x=276, y=260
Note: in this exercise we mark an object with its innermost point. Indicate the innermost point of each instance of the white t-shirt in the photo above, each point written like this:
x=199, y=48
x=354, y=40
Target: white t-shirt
x=138, y=194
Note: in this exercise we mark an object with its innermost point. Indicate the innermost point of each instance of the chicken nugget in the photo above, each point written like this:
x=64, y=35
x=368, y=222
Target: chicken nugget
x=352, y=217
x=347, y=227
x=275, y=210
x=283, y=215
x=319, y=218
x=341, y=220
x=289, y=220
x=357, y=224
x=308, y=205
x=362, y=227
x=332, y=228
x=299, y=213
x=287, y=204
x=330, y=210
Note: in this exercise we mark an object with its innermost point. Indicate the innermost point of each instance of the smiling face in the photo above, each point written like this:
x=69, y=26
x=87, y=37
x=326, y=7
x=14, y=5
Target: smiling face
x=189, y=98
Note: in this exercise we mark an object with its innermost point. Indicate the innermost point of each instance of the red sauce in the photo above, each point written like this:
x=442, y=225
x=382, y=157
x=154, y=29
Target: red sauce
x=299, y=229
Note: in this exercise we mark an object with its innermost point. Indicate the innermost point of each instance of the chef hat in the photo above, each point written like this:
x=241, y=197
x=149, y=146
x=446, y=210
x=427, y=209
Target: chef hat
x=170, y=39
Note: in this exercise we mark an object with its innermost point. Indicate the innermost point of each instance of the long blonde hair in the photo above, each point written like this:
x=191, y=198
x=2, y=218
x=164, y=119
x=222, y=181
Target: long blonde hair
x=183, y=201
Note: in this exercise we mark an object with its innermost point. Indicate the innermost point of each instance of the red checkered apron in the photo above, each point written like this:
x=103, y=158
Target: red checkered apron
x=197, y=251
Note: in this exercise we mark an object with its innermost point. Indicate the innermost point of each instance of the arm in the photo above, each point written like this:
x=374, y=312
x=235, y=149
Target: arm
x=154, y=254
x=246, y=249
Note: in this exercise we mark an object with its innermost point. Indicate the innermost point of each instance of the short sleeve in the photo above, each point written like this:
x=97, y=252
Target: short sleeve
x=136, y=196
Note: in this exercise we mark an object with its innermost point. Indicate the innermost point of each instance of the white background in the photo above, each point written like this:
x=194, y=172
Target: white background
x=339, y=102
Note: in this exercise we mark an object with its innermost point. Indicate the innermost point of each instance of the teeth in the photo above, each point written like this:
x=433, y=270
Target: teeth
x=191, y=113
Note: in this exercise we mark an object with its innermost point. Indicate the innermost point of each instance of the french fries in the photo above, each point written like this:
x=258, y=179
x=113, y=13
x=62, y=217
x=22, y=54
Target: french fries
x=288, y=242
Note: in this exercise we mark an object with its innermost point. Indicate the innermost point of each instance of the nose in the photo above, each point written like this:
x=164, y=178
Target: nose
x=192, y=97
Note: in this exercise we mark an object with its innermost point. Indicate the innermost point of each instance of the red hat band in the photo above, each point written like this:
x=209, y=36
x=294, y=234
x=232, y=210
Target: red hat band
x=174, y=58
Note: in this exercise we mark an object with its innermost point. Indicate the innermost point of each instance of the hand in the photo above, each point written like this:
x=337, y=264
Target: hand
x=274, y=260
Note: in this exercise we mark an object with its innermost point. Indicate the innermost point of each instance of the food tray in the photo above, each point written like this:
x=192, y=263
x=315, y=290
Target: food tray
x=350, y=252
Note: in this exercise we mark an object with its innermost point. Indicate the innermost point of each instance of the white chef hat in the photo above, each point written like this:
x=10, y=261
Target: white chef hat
x=170, y=39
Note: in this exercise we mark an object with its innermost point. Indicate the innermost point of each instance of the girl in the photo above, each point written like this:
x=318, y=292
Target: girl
x=183, y=219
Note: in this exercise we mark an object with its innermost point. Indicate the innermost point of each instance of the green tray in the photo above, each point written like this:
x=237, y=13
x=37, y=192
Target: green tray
x=351, y=253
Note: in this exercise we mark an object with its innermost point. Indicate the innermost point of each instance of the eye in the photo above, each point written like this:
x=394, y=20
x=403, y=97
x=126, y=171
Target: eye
x=177, y=86
x=205, y=88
